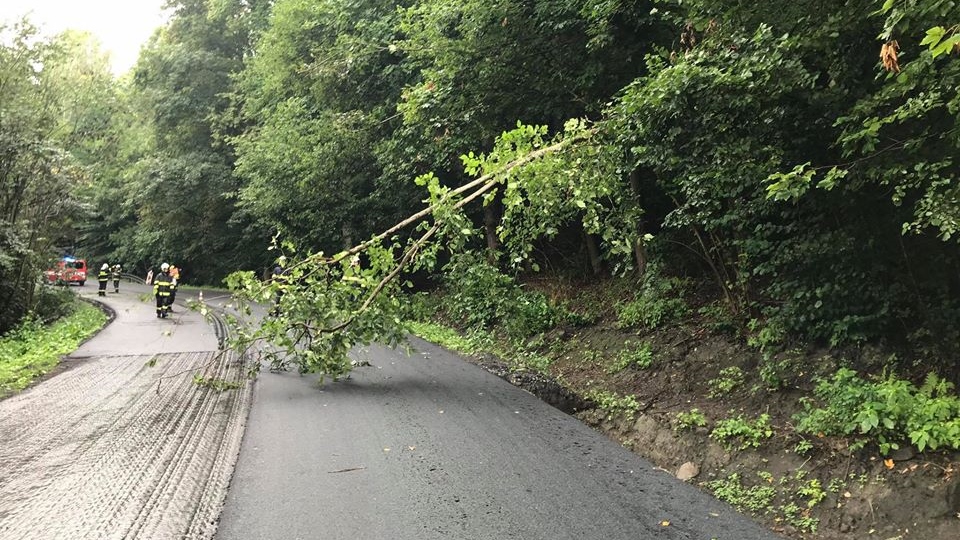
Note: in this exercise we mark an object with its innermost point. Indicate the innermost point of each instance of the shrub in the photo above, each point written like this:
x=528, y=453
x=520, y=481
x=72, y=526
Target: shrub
x=888, y=411
x=690, y=420
x=479, y=295
x=740, y=434
x=730, y=378
x=640, y=356
x=420, y=307
x=528, y=315
x=613, y=404
x=659, y=301
x=731, y=490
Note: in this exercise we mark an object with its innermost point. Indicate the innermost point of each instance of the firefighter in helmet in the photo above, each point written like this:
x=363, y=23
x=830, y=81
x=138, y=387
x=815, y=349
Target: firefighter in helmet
x=102, y=278
x=162, y=287
x=115, y=272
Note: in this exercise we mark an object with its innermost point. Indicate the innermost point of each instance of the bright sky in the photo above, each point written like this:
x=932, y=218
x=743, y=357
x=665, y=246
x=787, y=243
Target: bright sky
x=122, y=26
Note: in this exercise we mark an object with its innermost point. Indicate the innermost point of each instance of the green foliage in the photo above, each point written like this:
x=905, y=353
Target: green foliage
x=32, y=349
x=770, y=497
x=730, y=378
x=813, y=491
x=659, y=301
x=328, y=306
x=785, y=369
x=757, y=498
x=479, y=295
x=690, y=420
x=888, y=411
x=803, y=446
x=447, y=337
x=46, y=85
x=739, y=433
x=52, y=303
x=795, y=516
x=420, y=307
x=639, y=356
x=613, y=404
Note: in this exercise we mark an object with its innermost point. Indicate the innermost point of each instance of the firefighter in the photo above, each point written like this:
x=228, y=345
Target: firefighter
x=162, y=286
x=174, y=283
x=115, y=275
x=102, y=277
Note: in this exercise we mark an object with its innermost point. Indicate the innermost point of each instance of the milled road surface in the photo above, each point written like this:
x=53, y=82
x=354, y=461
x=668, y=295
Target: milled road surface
x=123, y=444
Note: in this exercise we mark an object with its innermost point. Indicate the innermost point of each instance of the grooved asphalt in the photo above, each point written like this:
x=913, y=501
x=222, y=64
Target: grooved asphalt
x=123, y=444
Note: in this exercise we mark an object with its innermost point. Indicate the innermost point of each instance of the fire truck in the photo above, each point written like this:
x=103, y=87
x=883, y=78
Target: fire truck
x=68, y=270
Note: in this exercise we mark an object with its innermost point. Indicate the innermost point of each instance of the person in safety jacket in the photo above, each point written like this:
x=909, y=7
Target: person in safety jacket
x=174, y=284
x=115, y=276
x=162, y=288
x=102, y=277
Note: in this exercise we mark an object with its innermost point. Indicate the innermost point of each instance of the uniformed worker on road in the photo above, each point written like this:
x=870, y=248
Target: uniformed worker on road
x=174, y=283
x=162, y=288
x=115, y=276
x=102, y=278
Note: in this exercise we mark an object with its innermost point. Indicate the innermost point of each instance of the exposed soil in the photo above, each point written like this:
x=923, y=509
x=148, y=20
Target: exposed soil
x=824, y=491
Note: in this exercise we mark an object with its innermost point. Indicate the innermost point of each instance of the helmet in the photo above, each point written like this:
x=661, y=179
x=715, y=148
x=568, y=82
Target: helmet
x=164, y=267
x=105, y=266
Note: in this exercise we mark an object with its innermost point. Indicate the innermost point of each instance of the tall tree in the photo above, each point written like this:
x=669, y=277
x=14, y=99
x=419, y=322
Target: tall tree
x=40, y=120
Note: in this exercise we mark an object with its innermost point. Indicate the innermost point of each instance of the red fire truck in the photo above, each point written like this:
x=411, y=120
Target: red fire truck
x=68, y=270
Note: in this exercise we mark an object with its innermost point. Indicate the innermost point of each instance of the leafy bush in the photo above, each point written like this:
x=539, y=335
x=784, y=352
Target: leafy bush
x=420, y=307
x=640, y=356
x=888, y=411
x=529, y=314
x=659, y=301
x=482, y=296
x=690, y=420
x=730, y=378
x=613, y=404
x=757, y=498
x=52, y=303
x=740, y=434
x=479, y=294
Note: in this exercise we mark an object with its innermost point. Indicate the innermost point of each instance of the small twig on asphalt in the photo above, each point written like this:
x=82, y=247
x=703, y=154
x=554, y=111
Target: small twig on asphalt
x=347, y=470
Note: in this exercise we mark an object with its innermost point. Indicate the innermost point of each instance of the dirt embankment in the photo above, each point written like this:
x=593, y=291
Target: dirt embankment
x=696, y=412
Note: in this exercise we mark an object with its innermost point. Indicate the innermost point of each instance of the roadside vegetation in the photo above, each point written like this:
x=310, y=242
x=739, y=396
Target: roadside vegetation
x=34, y=348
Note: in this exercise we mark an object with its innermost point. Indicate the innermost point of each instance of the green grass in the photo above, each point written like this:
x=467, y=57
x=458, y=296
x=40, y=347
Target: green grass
x=32, y=350
x=443, y=335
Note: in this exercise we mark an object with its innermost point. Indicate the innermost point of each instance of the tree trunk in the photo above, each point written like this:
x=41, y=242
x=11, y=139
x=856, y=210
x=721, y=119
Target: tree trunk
x=346, y=232
x=593, y=252
x=639, y=249
x=491, y=219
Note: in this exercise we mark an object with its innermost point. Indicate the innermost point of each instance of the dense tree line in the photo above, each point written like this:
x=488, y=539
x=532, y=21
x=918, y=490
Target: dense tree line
x=57, y=104
x=770, y=153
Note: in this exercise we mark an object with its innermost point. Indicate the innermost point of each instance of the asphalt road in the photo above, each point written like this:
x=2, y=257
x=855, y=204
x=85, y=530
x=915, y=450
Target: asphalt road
x=430, y=446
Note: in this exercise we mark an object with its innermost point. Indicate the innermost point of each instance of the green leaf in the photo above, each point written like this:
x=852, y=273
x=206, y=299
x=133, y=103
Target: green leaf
x=934, y=35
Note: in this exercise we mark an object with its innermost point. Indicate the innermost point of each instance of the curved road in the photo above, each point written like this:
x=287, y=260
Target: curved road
x=123, y=444
x=413, y=447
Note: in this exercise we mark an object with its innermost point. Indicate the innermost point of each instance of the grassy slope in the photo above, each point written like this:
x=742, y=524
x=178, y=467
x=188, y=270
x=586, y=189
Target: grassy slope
x=34, y=350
